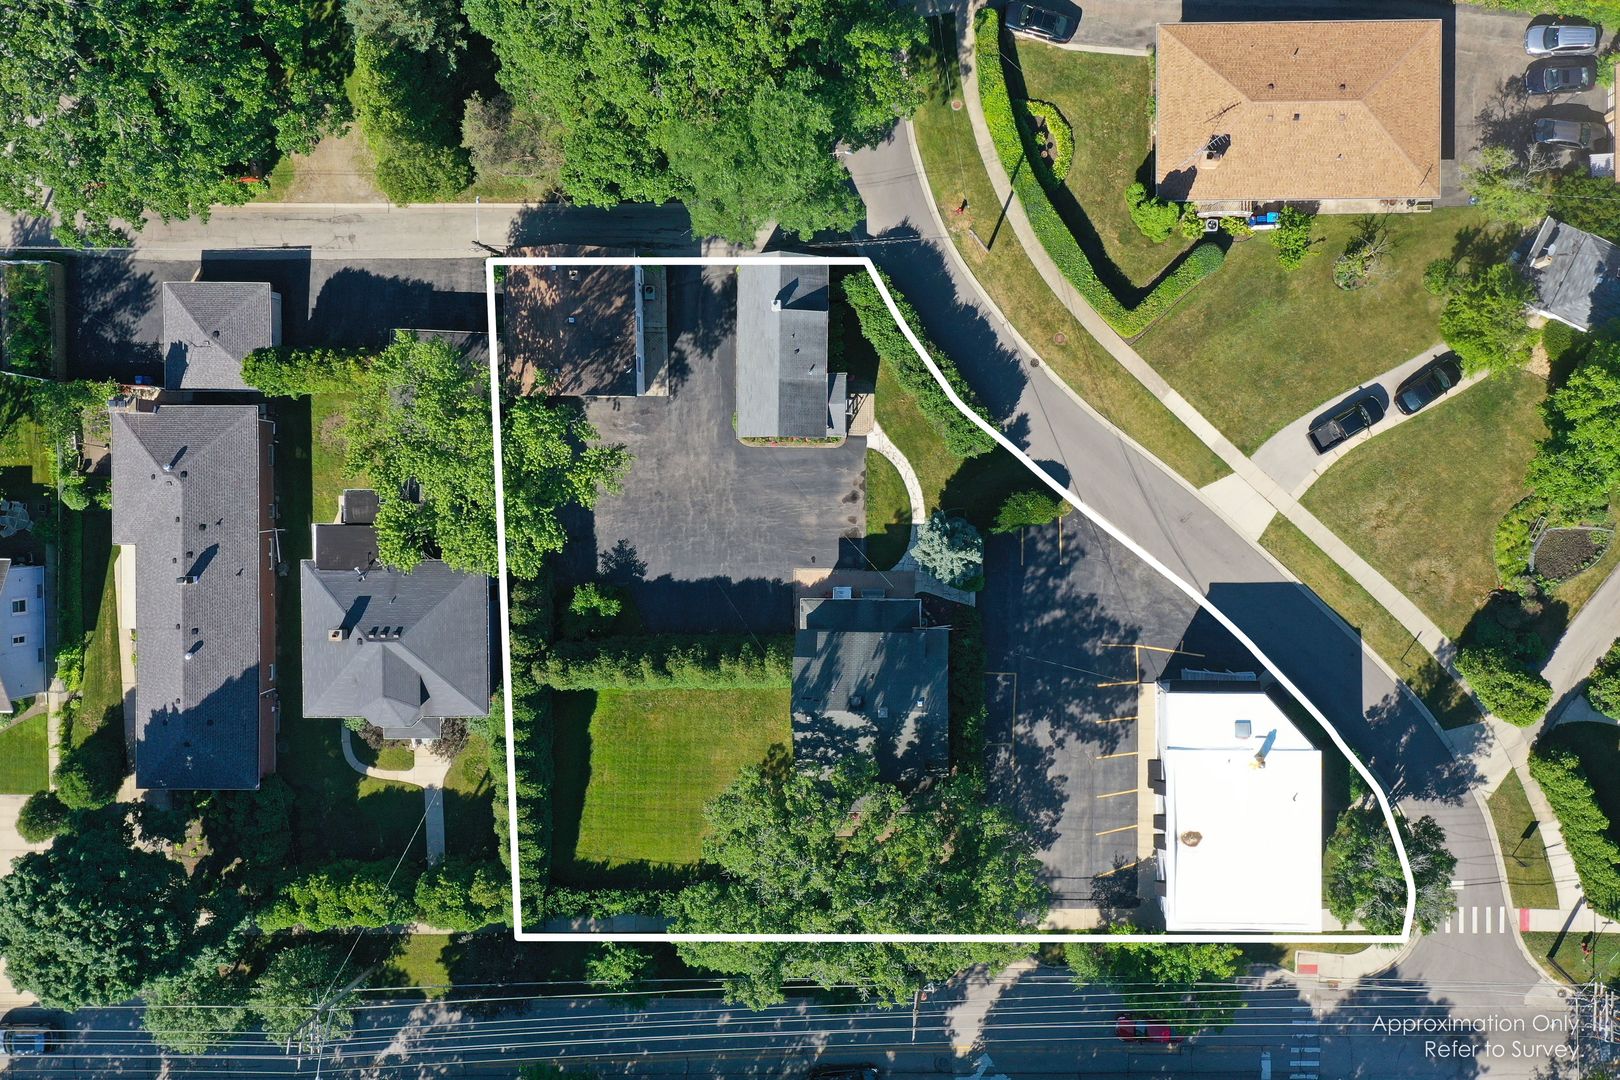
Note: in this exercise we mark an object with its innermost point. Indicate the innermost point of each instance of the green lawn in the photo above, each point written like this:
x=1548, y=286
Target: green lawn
x=1565, y=961
x=327, y=448
x=635, y=768
x=469, y=802
x=102, y=695
x=418, y=961
x=1421, y=503
x=1107, y=101
x=390, y=757
x=956, y=175
x=1255, y=346
x=23, y=757
x=888, y=512
x=1530, y=879
x=1389, y=639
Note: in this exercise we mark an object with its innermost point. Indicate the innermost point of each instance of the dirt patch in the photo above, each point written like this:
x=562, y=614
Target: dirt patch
x=338, y=170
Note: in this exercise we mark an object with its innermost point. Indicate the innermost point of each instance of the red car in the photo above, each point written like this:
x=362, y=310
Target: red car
x=1131, y=1029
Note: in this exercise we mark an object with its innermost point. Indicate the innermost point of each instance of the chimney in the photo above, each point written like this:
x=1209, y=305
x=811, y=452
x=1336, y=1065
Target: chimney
x=338, y=633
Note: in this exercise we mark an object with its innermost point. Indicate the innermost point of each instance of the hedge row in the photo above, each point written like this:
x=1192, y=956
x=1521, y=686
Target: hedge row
x=1584, y=826
x=532, y=622
x=707, y=662
x=1511, y=691
x=1204, y=259
x=960, y=435
x=457, y=895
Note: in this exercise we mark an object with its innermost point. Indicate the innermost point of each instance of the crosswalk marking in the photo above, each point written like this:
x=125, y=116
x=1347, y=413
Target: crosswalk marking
x=1467, y=921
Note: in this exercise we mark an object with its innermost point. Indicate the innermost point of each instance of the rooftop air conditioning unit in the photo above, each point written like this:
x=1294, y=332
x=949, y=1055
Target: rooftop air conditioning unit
x=843, y=592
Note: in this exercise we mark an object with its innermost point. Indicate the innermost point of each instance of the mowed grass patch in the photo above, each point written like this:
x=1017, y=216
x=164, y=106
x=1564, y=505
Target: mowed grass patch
x=24, y=759
x=888, y=512
x=635, y=769
x=1560, y=955
x=972, y=214
x=1106, y=100
x=417, y=964
x=469, y=802
x=1378, y=628
x=1421, y=503
x=101, y=699
x=1529, y=874
x=328, y=452
x=1256, y=346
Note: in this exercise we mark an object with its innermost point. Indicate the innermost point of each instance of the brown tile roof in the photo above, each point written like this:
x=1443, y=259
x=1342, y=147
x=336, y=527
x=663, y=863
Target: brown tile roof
x=1314, y=110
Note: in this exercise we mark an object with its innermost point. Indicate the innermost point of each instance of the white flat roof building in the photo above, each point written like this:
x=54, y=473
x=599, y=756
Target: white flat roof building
x=1242, y=841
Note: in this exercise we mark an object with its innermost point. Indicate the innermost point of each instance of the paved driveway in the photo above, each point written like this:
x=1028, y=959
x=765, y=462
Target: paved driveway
x=115, y=317
x=707, y=529
x=1073, y=623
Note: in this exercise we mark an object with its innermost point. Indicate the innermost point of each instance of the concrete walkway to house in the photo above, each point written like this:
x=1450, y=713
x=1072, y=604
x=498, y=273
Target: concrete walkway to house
x=1236, y=499
x=427, y=772
x=1288, y=457
x=878, y=440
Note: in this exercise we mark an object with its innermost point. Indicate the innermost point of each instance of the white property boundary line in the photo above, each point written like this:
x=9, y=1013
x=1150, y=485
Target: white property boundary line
x=520, y=934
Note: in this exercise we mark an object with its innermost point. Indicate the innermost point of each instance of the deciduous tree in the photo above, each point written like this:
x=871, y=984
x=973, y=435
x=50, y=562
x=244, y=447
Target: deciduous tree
x=1577, y=467
x=1484, y=319
x=1364, y=882
x=796, y=851
x=1507, y=189
x=112, y=109
x=1182, y=981
x=303, y=995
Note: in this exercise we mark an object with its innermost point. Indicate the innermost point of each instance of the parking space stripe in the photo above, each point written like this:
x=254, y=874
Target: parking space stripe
x=1122, y=753
x=1116, y=794
x=1111, y=832
x=1114, y=720
x=1128, y=865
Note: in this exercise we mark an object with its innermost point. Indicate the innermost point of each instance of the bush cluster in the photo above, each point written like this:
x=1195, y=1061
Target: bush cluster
x=29, y=312
x=1508, y=688
x=960, y=435
x=282, y=371
x=1049, y=227
x=1585, y=827
x=705, y=662
x=532, y=621
x=457, y=895
x=1029, y=509
x=1058, y=132
x=1603, y=691
x=1155, y=218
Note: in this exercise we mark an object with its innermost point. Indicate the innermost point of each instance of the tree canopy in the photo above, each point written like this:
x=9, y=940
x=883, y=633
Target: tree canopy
x=1577, y=466
x=735, y=109
x=92, y=920
x=1177, y=983
x=1507, y=189
x=1364, y=882
x=796, y=851
x=110, y=109
x=297, y=980
x=1484, y=319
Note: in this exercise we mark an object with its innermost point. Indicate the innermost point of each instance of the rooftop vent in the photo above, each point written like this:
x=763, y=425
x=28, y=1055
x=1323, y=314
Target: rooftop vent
x=843, y=592
x=883, y=712
x=186, y=579
x=776, y=303
x=649, y=292
x=338, y=633
x=1243, y=729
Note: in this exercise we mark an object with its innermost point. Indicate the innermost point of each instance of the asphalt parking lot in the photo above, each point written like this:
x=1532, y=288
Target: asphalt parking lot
x=708, y=532
x=115, y=317
x=1073, y=625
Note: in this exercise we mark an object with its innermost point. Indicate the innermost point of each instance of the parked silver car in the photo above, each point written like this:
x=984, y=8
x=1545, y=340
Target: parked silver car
x=1561, y=39
x=1576, y=134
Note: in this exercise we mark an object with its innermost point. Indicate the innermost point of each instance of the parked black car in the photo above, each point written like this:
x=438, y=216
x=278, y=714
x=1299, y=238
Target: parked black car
x=1428, y=383
x=1350, y=419
x=1561, y=76
x=1039, y=22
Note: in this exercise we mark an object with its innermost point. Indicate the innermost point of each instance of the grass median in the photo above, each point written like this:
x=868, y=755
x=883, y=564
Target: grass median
x=1529, y=873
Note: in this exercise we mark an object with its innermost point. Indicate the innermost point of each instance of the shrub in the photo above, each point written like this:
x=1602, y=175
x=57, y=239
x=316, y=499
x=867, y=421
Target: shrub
x=1236, y=227
x=1585, y=827
x=1512, y=546
x=41, y=817
x=1059, y=135
x=70, y=666
x=1605, y=65
x=1029, y=508
x=960, y=435
x=1154, y=217
x=1048, y=225
x=949, y=548
x=283, y=371
x=460, y=895
x=615, y=966
x=707, y=662
x=1484, y=321
x=89, y=775
x=1508, y=689
x=1292, y=237
x=1192, y=226
x=592, y=610
x=1603, y=691
x=344, y=895
x=1439, y=276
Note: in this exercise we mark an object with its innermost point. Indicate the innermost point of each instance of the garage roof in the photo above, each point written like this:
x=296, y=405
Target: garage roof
x=1298, y=110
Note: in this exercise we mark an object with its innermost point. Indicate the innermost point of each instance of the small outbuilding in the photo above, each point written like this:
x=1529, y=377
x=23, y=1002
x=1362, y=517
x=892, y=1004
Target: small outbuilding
x=1238, y=831
x=209, y=327
x=1576, y=275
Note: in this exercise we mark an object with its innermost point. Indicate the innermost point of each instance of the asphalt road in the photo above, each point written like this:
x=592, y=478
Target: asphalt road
x=1035, y=1024
x=1315, y=649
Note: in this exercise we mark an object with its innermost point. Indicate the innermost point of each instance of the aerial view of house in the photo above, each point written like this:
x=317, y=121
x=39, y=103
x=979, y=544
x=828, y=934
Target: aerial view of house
x=785, y=389
x=209, y=326
x=1576, y=275
x=193, y=512
x=403, y=651
x=22, y=632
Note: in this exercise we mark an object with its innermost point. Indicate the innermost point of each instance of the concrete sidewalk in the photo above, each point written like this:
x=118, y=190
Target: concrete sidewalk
x=427, y=772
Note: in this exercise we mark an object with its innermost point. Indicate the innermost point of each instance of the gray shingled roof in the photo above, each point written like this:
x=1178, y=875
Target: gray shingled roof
x=209, y=326
x=782, y=378
x=879, y=692
x=416, y=648
x=197, y=656
x=1576, y=275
